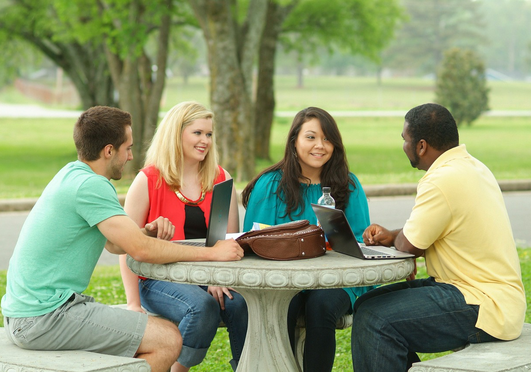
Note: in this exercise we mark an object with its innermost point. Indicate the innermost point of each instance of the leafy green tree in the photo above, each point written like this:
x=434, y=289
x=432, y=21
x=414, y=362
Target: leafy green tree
x=462, y=85
x=114, y=51
x=124, y=29
x=37, y=22
x=16, y=59
x=232, y=31
x=306, y=27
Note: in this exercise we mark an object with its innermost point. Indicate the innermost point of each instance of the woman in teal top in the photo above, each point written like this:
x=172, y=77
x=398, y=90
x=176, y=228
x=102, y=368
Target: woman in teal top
x=314, y=157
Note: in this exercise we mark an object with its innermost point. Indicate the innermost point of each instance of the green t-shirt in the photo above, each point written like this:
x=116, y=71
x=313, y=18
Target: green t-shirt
x=59, y=244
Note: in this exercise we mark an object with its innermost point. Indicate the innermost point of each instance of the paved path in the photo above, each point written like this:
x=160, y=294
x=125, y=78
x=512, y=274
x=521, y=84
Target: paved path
x=9, y=110
x=391, y=212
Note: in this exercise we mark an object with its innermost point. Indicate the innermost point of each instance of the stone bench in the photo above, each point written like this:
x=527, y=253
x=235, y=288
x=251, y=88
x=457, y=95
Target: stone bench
x=15, y=359
x=300, y=333
x=485, y=357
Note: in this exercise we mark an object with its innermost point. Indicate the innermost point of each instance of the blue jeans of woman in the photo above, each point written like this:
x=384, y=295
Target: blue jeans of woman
x=198, y=315
x=321, y=309
x=394, y=322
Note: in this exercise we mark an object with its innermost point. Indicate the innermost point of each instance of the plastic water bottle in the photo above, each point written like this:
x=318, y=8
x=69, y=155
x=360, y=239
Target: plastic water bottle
x=326, y=200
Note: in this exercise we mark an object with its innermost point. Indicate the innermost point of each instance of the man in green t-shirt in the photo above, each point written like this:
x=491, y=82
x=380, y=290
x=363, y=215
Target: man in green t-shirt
x=77, y=215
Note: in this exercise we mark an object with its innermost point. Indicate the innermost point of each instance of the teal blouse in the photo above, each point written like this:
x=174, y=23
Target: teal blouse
x=265, y=207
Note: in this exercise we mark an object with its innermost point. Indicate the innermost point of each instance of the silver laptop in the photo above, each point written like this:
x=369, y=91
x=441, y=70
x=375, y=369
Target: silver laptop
x=219, y=216
x=342, y=239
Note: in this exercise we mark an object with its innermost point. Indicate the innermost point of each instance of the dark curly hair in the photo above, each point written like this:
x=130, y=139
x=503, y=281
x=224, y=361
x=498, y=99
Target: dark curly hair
x=434, y=124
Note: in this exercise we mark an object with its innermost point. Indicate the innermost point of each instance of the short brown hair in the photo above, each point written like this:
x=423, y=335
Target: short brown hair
x=98, y=127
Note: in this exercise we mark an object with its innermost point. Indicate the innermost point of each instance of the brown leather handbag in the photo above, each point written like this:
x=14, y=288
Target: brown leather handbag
x=289, y=241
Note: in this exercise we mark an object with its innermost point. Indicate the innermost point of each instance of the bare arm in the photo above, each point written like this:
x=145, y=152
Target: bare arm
x=234, y=218
x=122, y=232
x=378, y=235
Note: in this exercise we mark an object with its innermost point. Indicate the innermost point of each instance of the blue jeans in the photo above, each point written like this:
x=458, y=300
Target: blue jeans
x=321, y=309
x=393, y=322
x=198, y=315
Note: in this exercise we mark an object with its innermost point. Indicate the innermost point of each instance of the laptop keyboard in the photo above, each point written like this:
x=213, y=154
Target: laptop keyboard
x=195, y=244
x=371, y=252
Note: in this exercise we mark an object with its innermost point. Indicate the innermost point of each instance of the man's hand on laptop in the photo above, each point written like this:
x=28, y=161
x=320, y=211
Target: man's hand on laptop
x=160, y=228
x=378, y=235
x=226, y=250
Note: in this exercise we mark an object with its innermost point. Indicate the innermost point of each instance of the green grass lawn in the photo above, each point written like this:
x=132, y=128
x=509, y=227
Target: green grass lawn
x=353, y=93
x=106, y=287
x=33, y=150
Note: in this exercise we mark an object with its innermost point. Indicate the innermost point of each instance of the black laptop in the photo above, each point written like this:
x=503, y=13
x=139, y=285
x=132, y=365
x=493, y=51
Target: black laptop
x=342, y=239
x=219, y=216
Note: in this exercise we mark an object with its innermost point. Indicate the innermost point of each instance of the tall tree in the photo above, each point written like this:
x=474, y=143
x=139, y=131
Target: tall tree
x=103, y=46
x=305, y=26
x=126, y=29
x=264, y=110
x=232, y=33
x=37, y=22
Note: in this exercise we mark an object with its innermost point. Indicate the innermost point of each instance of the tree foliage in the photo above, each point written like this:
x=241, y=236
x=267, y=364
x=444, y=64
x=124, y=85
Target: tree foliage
x=112, y=46
x=462, y=85
x=432, y=27
x=232, y=31
x=305, y=27
x=38, y=23
x=114, y=51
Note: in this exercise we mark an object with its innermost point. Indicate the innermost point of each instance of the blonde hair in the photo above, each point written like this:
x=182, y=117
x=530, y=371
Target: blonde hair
x=166, y=151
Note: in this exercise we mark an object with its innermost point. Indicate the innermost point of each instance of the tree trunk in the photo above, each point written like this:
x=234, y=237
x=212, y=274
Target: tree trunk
x=300, y=73
x=232, y=50
x=265, y=91
x=86, y=67
x=140, y=91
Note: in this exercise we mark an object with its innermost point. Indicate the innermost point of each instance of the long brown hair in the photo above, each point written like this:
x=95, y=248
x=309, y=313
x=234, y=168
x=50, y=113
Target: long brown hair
x=335, y=173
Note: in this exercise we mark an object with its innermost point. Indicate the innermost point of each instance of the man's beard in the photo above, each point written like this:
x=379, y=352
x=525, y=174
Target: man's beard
x=415, y=161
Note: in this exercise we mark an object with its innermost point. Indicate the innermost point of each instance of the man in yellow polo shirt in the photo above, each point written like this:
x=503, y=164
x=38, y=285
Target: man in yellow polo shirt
x=459, y=223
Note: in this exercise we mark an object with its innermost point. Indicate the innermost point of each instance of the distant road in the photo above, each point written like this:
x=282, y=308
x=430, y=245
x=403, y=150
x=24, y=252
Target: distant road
x=391, y=212
x=8, y=110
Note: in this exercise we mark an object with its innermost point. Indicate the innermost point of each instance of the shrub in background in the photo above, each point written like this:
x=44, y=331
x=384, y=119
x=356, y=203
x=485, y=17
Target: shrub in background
x=462, y=85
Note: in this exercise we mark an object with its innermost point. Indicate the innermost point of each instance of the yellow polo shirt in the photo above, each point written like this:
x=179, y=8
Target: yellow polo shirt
x=460, y=219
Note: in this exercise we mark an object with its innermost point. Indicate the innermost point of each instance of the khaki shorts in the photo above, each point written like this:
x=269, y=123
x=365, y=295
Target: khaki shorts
x=81, y=324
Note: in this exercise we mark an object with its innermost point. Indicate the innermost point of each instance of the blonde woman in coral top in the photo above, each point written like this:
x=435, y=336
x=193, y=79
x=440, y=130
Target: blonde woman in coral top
x=176, y=182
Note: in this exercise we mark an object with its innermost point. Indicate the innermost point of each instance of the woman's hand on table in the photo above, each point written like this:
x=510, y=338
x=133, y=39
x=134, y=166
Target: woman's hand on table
x=218, y=292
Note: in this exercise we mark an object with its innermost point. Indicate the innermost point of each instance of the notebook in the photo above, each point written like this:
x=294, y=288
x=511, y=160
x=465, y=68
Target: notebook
x=219, y=216
x=342, y=239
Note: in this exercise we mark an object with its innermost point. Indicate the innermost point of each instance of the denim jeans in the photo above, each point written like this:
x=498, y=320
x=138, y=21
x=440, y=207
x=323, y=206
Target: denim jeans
x=393, y=322
x=321, y=309
x=198, y=315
